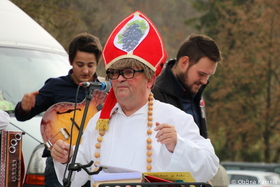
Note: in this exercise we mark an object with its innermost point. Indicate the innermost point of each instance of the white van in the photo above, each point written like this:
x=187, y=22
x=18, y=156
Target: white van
x=29, y=55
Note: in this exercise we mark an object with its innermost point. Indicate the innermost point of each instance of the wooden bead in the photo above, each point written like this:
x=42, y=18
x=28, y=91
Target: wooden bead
x=149, y=146
x=97, y=145
x=149, y=153
x=101, y=133
x=149, y=160
x=150, y=123
x=99, y=139
x=149, y=167
x=150, y=118
x=96, y=155
x=150, y=112
x=150, y=107
x=149, y=131
x=149, y=140
x=95, y=163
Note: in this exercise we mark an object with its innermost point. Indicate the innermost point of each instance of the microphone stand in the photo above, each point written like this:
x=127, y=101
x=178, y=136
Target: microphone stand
x=77, y=166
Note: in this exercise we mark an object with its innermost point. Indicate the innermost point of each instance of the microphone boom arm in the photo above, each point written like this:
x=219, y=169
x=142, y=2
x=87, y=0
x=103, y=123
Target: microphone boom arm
x=78, y=167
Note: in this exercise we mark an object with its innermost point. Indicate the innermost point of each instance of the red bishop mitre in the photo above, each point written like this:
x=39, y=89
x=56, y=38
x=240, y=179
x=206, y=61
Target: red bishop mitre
x=134, y=37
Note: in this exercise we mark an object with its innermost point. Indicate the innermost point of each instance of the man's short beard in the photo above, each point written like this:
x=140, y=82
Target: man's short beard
x=183, y=79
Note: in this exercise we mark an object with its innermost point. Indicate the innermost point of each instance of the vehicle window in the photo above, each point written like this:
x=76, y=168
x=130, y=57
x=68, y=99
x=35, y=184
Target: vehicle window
x=277, y=170
x=24, y=71
x=252, y=166
x=255, y=168
x=232, y=167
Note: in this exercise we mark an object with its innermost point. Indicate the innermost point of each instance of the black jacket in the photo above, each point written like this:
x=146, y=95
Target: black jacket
x=164, y=91
x=55, y=90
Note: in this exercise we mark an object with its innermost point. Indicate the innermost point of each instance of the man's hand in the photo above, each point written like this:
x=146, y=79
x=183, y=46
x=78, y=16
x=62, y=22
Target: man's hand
x=167, y=135
x=60, y=150
x=28, y=101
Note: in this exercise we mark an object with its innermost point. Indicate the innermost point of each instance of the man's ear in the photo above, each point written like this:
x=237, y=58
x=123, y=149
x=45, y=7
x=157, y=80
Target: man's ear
x=184, y=62
x=151, y=81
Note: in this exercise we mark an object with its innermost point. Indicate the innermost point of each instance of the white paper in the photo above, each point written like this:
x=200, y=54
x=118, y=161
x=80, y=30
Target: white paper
x=115, y=173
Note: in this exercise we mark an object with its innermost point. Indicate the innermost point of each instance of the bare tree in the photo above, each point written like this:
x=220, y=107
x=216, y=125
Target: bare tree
x=244, y=95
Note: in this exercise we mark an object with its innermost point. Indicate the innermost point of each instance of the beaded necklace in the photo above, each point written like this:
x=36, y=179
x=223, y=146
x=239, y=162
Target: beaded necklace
x=149, y=139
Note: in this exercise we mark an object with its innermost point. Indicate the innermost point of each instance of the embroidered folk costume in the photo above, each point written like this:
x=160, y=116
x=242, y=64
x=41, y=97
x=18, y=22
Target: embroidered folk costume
x=115, y=139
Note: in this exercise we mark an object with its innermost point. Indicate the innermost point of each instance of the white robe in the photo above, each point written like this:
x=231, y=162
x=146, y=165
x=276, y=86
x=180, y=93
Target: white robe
x=124, y=145
x=4, y=119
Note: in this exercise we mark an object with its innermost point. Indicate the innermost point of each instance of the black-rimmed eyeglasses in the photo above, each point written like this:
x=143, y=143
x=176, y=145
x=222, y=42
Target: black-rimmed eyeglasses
x=127, y=73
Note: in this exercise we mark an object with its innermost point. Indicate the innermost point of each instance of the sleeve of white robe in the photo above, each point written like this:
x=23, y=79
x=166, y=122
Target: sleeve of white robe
x=193, y=153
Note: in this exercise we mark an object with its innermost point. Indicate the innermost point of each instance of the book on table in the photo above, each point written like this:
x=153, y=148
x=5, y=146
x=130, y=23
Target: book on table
x=110, y=174
x=167, y=177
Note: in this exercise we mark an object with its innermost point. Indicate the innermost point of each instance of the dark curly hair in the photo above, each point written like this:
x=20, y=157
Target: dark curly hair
x=85, y=42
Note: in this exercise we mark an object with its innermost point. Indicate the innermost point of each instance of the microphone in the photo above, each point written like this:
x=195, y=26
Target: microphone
x=104, y=86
